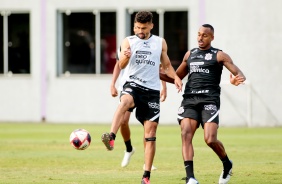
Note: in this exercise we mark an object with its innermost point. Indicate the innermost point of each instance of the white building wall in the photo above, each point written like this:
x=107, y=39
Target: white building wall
x=249, y=31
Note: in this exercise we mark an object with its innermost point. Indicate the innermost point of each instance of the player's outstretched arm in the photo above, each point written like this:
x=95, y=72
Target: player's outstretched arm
x=168, y=69
x=236, y=77
x=181, y=71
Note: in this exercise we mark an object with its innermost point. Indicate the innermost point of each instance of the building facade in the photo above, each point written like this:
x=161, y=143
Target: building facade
x=58, y=55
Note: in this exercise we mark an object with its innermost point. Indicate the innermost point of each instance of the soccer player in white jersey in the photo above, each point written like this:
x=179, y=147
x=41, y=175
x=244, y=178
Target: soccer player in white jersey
x=141, y=56
x=124, y=128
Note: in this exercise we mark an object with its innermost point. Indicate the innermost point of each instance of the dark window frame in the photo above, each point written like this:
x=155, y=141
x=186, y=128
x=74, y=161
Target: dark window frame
x=103, y=46
x=15, y=39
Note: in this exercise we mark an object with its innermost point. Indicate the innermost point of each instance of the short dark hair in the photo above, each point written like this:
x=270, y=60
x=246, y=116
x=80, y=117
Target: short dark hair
x=208, y=26
x=143, y=17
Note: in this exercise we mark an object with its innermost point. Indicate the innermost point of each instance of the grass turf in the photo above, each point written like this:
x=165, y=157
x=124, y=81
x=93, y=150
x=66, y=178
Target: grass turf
x=41, y=153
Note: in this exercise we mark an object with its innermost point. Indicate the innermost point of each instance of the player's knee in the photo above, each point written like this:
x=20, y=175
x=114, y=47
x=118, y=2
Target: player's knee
x=150, y=139
x=210, y=142
x=186, y=134
x=125, y=104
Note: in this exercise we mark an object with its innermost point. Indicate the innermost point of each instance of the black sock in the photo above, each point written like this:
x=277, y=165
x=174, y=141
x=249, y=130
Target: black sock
x=189, y=168
x=226, y=162
x=113, y=135
x=227, y=165
x=128, y=145
x=146, y=174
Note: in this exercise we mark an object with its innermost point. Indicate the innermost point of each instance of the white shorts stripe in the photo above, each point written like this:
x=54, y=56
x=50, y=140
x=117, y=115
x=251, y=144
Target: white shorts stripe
x=124, y=92
x=180, y=117
x=212, y=118
x=155, y=117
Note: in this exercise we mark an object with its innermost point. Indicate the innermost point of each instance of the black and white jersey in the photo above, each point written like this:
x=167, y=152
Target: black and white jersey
x=204, y=72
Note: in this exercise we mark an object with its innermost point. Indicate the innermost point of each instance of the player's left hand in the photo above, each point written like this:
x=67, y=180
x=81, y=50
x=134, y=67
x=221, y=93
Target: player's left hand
x=114, y=91
x=237, y=79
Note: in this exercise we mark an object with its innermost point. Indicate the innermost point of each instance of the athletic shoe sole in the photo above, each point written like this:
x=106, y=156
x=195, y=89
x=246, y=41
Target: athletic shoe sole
x=106, y=139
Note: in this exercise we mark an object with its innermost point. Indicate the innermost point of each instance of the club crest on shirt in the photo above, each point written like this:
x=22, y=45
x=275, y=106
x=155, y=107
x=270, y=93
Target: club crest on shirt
x=208, y=56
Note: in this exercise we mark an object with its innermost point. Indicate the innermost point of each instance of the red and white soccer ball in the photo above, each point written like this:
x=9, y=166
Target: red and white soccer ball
x=80, y=139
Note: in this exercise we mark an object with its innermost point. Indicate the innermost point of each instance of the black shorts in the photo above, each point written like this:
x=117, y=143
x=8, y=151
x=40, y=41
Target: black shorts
x=200, y=108
x=147, y=102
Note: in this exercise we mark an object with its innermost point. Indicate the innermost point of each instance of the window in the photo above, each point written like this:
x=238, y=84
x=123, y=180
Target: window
x=108, y=42
x=173, y=26
x=87, y=42
x=78, y=39
x=176, y=35
x=15, y=48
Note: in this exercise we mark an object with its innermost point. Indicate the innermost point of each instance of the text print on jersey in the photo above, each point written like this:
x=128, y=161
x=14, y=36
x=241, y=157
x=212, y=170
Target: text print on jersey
x=137, y=78
x=194, y=67
x=141, y=58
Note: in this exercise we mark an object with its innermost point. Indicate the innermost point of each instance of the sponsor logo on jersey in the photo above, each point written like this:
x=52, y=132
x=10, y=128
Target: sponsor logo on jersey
x=197, y=57
x=141, y=58
x=143, y=52
x=197, y=63
x=200, y=91
x=133, y=77
x=197, y=69
x=146, y=44
x=150, y=45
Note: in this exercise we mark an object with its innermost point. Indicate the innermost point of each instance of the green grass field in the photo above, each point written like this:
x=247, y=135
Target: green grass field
x=41, y=153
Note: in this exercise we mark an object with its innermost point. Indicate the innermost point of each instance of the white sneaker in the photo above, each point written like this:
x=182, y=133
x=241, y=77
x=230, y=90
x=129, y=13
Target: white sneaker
x=153, y=168
x=225, y=180
x=126, y=157
x=192, y=181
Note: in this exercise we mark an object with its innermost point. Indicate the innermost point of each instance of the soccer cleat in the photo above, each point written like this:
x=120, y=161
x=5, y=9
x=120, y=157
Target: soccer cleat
x=153, y=168
x=191, y=181
x=225, y=176
x=145, y=180
x=126, y=157
x=108, y=141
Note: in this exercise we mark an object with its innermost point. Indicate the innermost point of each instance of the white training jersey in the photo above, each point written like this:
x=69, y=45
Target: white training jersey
x=144, y=63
